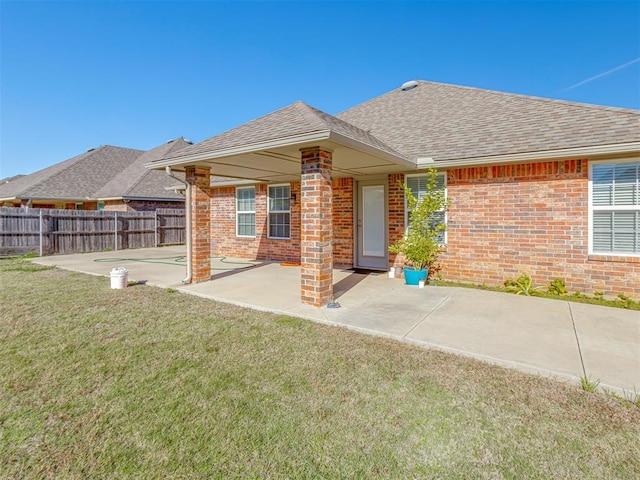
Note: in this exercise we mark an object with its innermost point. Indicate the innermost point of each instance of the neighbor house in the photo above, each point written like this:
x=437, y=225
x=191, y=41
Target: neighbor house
x=109, y=178
x=542, y=186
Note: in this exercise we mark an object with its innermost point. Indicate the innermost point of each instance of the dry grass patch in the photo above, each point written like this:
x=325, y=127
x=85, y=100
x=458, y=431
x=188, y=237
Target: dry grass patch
x=144, y=383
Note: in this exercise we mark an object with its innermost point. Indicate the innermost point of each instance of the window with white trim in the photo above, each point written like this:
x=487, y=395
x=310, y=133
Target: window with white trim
x=246, y=212
x=418, y=186
x=279, y=211
x=614, y=207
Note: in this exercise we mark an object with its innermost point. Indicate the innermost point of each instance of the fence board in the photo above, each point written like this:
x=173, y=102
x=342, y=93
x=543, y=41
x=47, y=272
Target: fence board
x=46, y=231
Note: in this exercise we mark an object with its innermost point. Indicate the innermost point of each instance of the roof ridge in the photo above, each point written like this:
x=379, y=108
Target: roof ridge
x=310, y=110
x=72, y=161
x=537, y=98
x=172, y=144
x=311, y=115
x=82, y=156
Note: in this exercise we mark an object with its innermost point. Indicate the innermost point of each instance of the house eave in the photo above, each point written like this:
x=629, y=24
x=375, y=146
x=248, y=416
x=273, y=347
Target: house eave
x=300, y=141
x=559, y=154
x=244, y=149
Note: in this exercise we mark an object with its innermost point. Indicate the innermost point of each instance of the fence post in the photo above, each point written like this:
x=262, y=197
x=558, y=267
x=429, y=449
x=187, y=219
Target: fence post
x=115, y=231
x=41, y=227
x=155, y=227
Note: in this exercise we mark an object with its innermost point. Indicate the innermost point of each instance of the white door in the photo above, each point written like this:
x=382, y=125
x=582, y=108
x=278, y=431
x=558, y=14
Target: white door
x=372, y=226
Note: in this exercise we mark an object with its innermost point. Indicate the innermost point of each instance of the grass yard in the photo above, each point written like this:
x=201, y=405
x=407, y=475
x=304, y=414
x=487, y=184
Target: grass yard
x=146, y=383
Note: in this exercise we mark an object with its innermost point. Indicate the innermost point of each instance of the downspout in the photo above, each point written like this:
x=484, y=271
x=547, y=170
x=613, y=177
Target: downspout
x=187, y=195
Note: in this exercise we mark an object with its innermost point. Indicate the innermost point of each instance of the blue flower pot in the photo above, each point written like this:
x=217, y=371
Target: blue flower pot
x=413, y=276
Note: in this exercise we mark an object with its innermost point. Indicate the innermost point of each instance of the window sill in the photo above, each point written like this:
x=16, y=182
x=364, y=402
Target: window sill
x=613, y=258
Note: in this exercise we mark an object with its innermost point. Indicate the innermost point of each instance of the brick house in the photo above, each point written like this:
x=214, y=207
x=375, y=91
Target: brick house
x=542, y=186
x=104, y=178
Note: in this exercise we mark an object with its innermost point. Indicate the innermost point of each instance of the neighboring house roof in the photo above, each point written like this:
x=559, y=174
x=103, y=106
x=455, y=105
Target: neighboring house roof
x=76, y=178
x=136, y=181
x=10, y=179
x=294, y=121
x=103, y=173
x=450, y=122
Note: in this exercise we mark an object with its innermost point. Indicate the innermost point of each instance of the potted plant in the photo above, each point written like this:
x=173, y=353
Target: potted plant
x=420, y=246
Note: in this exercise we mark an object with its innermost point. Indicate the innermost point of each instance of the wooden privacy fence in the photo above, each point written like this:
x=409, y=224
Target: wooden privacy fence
x=44, y=231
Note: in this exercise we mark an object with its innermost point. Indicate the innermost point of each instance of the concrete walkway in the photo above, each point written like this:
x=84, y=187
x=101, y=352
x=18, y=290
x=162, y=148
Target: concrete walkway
x=550, y=337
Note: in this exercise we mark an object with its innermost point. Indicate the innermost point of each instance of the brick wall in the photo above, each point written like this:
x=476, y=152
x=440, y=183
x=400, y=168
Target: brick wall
x=532, y=218
x=223, y=226
x=343, y=235
x=396, y=215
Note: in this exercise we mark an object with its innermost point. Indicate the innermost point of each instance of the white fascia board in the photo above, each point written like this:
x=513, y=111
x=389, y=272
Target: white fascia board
x=153, y=199
x=371, y=150
x=597, y=150
x=8, y=199
x=249, y=148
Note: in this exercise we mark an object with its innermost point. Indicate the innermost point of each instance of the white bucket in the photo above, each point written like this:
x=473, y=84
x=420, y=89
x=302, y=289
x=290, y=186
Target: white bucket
x=119, y=277
x=392, y=272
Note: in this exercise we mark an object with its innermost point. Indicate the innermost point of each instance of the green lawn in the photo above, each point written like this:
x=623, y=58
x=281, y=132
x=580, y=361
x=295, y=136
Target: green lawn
x=145, y=383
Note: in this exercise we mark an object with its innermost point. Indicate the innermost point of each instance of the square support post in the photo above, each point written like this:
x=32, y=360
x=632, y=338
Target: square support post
x=199, y=179
x=316, y=235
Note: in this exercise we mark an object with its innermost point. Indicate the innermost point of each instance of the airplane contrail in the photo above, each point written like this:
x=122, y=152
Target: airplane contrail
x=604, y=74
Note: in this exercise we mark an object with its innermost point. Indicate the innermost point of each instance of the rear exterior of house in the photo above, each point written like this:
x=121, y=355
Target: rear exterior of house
x=540, y=186
x=535, y=217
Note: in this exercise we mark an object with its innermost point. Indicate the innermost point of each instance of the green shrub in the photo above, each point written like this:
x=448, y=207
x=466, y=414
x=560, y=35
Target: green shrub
x=557, y=287
x=523, y=285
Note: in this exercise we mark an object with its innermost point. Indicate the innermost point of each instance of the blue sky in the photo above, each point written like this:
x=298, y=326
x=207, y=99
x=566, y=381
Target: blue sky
x=76, y=75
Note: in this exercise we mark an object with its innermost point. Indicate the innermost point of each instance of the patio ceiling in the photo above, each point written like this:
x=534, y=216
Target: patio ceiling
x=282, y=164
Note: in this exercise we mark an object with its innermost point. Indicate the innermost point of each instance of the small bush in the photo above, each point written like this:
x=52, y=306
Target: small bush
x=523, y=285
x=557, y=287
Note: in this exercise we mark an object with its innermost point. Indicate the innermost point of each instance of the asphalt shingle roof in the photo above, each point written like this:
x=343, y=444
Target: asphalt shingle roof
x=449, y=122
x=104, y=172
x=76, y=178
x=138, y=181
x=293, y=120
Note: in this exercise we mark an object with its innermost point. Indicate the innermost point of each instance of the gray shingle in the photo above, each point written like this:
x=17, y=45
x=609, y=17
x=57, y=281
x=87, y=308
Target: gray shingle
x=76, y=178
x=449, y=122
x=138, y=181
x=293, y=120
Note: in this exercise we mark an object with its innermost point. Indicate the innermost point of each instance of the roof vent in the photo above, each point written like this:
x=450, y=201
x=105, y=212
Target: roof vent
x=171, y=141
x=90, y=149
x=408, y=85
x=188, y=141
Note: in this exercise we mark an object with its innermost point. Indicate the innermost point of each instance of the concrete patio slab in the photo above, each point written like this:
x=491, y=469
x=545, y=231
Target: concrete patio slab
x=610, y=343
x=549, y=337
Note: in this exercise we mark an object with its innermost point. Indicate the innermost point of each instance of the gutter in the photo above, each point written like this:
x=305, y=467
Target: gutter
x=565, y=153
x=189, y=276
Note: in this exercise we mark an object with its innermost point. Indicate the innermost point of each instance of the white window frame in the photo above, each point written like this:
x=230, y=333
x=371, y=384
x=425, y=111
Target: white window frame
x=269, y=211
x=616, y=208
x=406, y=211
x=239, y=212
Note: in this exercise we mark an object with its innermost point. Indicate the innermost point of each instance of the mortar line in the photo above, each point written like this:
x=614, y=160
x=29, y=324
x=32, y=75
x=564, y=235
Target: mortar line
x=427, y=315
x=575, y=333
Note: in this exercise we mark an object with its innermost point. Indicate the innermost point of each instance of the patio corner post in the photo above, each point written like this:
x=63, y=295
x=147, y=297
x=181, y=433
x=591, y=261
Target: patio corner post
x=199, y=179
x=316, y=236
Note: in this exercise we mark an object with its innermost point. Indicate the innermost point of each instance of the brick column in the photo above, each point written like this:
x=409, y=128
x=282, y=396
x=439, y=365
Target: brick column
x=316, y=232
x=199, y=179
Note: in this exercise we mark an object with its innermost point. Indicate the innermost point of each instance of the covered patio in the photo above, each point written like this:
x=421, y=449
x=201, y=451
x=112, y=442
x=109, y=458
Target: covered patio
x=296, y=144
